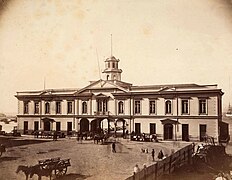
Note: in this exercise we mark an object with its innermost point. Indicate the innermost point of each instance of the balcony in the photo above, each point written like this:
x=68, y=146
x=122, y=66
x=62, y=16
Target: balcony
x=101, y=113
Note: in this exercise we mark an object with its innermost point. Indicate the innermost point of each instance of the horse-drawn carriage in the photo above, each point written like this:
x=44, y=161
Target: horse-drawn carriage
x=59, y=166
x=46, y=167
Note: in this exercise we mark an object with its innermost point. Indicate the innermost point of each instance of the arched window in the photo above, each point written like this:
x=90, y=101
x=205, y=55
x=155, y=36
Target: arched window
x=84, y=107
x=120, y=107
x=107, y=77
x=47, y=108
x=168, y=107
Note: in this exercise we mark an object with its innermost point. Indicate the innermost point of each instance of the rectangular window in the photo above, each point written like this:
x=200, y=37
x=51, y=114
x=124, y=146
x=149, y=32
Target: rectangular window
x=137, y=107
x=185, y=106
x=25, y=107
x=102, y=105
x=202, y=106
x=152, y=107
x=58, y=107
x=70, y=109
x=36, y=110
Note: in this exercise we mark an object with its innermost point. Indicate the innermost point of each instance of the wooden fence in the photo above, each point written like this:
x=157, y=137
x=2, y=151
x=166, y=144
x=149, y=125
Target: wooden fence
x=165, y=166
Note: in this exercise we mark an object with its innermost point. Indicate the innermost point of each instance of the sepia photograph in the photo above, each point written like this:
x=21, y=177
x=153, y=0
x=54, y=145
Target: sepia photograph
x=115, y=89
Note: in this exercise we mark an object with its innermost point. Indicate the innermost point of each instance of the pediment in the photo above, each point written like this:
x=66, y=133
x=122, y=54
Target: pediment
x=102, y=86
x=167, y=89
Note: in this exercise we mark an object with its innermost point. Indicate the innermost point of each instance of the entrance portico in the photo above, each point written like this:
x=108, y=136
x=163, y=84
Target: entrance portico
x=168, y=132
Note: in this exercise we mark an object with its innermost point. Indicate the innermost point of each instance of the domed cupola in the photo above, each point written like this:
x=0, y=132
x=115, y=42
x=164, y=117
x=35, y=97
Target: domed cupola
x=111, y=69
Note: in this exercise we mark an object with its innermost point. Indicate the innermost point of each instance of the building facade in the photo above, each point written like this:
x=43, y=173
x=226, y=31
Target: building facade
x=172, y=112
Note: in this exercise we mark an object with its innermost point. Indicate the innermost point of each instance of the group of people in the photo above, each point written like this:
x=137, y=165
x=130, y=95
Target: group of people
x=160, y=156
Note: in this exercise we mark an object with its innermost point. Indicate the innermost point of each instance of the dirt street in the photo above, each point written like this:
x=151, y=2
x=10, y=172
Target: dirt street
x=88, y=160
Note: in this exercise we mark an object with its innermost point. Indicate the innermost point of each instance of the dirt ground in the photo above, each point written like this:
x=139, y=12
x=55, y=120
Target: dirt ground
x=88, y=160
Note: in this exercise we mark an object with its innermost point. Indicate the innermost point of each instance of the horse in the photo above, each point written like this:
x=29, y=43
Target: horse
x=24, y=169
x=100, y=137
x=2, y=149
x=37, y=169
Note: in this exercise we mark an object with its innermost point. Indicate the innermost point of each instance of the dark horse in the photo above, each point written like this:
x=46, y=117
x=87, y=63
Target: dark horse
x=37, y=169
x=25, y=170
x=100, y=137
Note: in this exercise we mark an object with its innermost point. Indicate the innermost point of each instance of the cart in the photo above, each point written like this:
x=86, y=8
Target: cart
x=59, y=165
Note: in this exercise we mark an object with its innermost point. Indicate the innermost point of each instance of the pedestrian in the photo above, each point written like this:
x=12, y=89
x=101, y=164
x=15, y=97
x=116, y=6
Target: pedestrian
x=78, y=137
x=136, y=169
x=153, y=154
x=113, y=147
x=161, y=154
x=55, y=136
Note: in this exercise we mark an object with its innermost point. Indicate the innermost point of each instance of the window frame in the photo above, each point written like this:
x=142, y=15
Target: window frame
x=47, y=108
x=36, y=108
x=102, y=105
x=84, y=107
x=168, y=106
x=69, y=107
x=200, y=107
x=25, y=107
x=137, y=107
x=152, y=106
x=184, y=108
x=58, y=107
x=120, y=107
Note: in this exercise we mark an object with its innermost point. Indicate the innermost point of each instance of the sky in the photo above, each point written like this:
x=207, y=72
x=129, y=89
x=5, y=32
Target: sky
x=157, y=41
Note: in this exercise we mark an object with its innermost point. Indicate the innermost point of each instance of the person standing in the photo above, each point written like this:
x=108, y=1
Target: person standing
x=113, y=147
x=153, y=154
x=136, y=169
x=55, y=136
x=160, y=155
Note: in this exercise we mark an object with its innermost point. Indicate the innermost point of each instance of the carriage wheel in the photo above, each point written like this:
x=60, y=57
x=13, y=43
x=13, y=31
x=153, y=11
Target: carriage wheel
x=60, y=171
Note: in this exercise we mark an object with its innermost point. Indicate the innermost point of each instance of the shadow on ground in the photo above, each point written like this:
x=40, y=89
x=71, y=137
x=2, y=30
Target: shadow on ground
x=19, y=141
x=8, y=158
x=72, y=176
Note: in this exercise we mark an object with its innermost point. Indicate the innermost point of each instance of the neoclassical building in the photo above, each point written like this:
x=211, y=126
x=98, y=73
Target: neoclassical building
x=172, y=112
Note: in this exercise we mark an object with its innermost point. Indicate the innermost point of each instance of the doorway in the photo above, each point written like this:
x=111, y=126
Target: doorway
x=36, y=125
x=152, y=128
x=84, y=125
x=57, y=126
x=69, y=128
x=25, y=127
x=168, y=131
x=202, y=131
x=137, y=128
x=185, y=132
x=47, y=126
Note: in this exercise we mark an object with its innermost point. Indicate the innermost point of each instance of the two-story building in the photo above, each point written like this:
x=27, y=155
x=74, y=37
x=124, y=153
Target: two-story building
x=176, y=112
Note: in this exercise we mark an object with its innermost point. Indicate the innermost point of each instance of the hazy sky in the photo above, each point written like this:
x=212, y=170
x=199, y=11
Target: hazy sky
x=157, y=42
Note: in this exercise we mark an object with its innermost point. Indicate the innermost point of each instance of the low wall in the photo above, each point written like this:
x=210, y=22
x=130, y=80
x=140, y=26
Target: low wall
x=165, y=166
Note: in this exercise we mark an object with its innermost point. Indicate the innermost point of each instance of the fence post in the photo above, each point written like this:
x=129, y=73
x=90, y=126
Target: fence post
x=156, y=164
x=170, y=164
